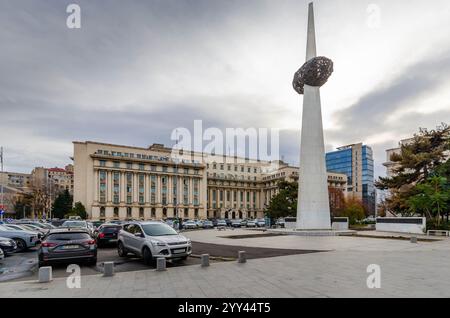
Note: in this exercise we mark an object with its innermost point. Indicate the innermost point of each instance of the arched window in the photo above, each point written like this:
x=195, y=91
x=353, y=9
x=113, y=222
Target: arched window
x=164, y=212
x=233, y=215
x=116, y=212
x=226, y=215
x=141, y=213
x=186, y=212
x=196, y=213
x=153, y=213
x=240, y=214
x=129, y=212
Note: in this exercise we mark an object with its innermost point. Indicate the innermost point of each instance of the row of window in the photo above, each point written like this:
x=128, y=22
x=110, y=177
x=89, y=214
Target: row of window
x=221, y=166
x=142, y=167
x=139, y=156
x=141, y=188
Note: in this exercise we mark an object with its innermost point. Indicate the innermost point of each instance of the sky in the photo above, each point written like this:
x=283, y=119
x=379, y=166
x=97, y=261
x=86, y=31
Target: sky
x=136, y=70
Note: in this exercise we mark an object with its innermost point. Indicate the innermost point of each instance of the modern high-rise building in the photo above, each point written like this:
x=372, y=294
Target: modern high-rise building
x=356, y=161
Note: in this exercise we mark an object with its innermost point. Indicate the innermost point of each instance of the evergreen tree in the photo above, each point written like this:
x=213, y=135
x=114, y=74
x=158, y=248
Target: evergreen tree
x=62, y=205
x=79, y=210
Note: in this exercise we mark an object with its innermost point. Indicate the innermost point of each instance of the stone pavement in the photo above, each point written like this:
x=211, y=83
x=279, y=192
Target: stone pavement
x=407, y=270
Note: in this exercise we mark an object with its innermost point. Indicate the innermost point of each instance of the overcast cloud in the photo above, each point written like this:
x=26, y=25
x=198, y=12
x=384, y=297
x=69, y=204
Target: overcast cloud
x=138, y=69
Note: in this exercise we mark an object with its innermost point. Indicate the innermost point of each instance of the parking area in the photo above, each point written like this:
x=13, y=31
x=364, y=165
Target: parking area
x=24, y=265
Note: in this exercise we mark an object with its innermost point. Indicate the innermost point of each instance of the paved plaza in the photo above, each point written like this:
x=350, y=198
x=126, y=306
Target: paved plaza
x=407, y=270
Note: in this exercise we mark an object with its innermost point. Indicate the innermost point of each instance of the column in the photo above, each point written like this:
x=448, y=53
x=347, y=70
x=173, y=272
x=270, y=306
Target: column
x=109, y=187
x=122, y=187
x=96, y=187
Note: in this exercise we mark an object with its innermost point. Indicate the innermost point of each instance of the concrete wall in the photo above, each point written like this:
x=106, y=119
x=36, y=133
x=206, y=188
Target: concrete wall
x=416, y=225
x=339, y=224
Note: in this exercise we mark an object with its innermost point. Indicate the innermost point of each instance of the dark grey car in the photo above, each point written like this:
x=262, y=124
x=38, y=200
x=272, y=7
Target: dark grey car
x=67, y=245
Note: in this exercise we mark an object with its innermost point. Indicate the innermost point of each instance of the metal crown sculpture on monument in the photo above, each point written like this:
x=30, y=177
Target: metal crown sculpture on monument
x=314, y=72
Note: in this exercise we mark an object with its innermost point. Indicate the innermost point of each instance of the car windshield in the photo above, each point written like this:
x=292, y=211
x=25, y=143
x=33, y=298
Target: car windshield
x=74, y=224
x=68, y=237
x=158, y=229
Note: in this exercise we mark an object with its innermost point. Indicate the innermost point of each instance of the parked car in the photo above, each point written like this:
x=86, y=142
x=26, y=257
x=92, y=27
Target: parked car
x=199, y=223
x=7, y=245
x=153, y=239
x=190, y=224
x=280, y=223
x=236, y=223
x=244, y=222
x=58, y=222
x=221, y=224
x=19, y=227
x=2, y=255
x=214, y=222
x=98, y=223
x=208, y=224
x=43, y=228
x=30, y=227
x=228, y=222
x=77, y=224
x=107, y=233
x=116, y=222
x=68, y=245
x=260, y=222
x=23, y=239
x=251, y=223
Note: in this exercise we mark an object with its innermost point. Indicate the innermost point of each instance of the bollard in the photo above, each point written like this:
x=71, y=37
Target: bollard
x=161, y=264
x=241, y=257
x=108, y=269
x=413, y=239
x=205, y=260
x=45, y=274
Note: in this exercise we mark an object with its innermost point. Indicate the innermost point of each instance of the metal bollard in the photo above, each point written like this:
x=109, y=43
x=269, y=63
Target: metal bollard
x=241, y=257
x=45, y=274
x=161, y=264
x=413, y=239
x=205, y=260
x=108, y=269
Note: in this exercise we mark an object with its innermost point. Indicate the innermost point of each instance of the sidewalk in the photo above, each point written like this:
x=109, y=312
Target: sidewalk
x=422, y=270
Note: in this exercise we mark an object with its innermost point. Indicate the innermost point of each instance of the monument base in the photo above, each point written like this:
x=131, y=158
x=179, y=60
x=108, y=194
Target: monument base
x=300, y=232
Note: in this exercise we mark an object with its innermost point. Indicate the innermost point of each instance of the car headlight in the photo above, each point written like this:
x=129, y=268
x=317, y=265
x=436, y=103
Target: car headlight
x=156, y=243
x=6, y=243
x=188, y=241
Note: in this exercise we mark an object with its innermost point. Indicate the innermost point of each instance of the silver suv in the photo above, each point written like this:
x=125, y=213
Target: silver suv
x=151, y=240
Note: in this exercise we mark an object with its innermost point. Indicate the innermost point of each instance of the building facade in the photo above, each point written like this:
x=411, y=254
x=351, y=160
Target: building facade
x=123, y=182
x=356, y=161
x=17, y=180
x=56, y=179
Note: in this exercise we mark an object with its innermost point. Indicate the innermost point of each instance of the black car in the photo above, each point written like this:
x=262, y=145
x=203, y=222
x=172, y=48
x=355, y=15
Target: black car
x=67, y=245
x=106, y=234
x=214, y=221
x=229, y=222
x=8, y=245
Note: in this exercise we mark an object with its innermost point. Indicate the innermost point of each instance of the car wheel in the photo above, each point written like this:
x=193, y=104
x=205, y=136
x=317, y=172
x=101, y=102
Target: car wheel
x=147, y=256
x=21, y=245
x=121, y=250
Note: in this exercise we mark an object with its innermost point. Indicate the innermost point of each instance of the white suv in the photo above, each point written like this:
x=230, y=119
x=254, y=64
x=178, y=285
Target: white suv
x=151, y=240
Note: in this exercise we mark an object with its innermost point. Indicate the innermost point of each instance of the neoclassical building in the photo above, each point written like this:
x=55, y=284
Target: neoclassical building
x=124, y=182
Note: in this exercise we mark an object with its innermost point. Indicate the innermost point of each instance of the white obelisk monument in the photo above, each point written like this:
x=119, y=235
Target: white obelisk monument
x=313, y=210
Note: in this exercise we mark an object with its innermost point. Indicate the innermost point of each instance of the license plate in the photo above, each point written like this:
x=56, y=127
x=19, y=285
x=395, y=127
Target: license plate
x=70, y=247
x=112, y=240
x=181, y=250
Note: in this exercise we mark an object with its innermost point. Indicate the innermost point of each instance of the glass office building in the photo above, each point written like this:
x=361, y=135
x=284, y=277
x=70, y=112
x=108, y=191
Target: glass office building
x=356, y=161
